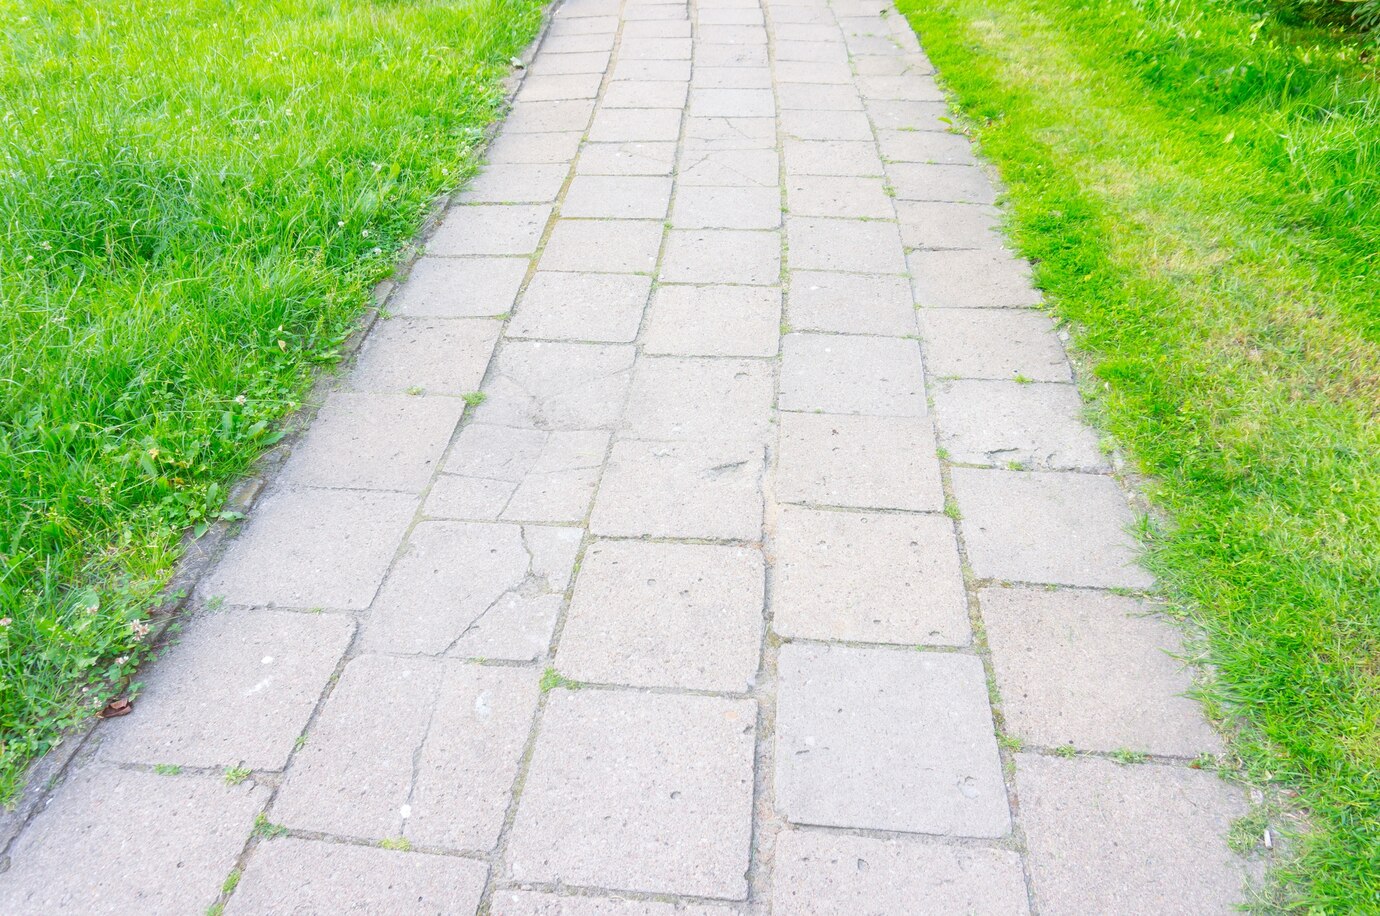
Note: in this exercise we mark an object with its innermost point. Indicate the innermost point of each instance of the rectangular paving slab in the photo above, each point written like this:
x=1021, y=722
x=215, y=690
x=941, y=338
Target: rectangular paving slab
x=859, y=462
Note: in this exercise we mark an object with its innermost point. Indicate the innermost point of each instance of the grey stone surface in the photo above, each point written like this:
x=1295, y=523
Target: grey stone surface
x=460, y=287
x=703, y=135
x=516, y=183
x=732, y=103
x=557, y=385
x=490, y=229
x=1046, y=526
x=654, y=70
x=885, y=739
x=407, y=355
x=832, y=157
x=538, y=87
x=850, y=126
x=686, y=616
x=868, y=577
x=734, y=165
x=1035, y=425
x=620, y=125
x=551, y=147
x=944, y=225
x=852, y=198
x=313, y=548
x=709, y=207
x=571, y=306
x=617, y=197
x=530, y=475
x=722, y=256
x=924, y=146
x=452, y=573
x=421, y=748
x=555, y=64
x=645, y=94
x=640, y=792
x=850, y=303
x=235, y=690
x=375, y=442
x=713, y=321
x=731, y=77
x=819, y=97
x=896, y=115
x=121, y=841
x=820, y=874
x=1093, y=670
x=536, y=903
x=1107, y=838
x=681, y=489
x=971, y=279
x=679, y=398
x=992, y=343
x=289, y=875
x=922, y=181
x=877, y=376
x=856, y=246
x=631, y=158
x=604, y=246
x=858, y=461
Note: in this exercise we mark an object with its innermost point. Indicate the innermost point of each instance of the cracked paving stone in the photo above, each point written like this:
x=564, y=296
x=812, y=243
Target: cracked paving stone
x=850, y=303
x=674, y=398
x=426, y=749
x=452, y=573
x=1035, y=425
x=557, y=385
x=575, y=306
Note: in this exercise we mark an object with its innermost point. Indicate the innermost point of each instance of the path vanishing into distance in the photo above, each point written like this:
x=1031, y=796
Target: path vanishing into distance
x=775, y=573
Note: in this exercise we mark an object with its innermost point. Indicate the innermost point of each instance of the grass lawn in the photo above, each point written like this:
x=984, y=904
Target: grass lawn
x=195, y=198
x=1199, y=184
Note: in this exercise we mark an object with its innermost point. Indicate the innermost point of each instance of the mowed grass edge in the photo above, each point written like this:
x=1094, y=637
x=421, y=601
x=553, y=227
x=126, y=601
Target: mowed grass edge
x=196, y=198
x=1198, y=184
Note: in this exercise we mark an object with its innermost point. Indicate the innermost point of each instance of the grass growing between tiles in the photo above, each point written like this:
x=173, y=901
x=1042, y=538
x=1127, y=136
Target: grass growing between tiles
x=1198, y=182
x=195, y=199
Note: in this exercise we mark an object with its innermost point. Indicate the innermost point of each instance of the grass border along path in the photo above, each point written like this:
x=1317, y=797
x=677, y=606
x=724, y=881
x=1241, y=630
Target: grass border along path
x=1198, y=182
x=196, y=197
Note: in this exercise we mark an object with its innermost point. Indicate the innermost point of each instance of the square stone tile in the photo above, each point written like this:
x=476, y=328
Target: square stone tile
x=433, y=356
x=732, y=103
x=571, y=114
x=355, y=775
x=374, y=442
x=817, y=874
x=631, y=158
x=557, y=64
x=640, y=792
x=882, y=739
x=850, y=303
x=793, y=71
x=877, y=376
x=925, y=146
x=722, y=256
x=817, y=97
x=656, y=21
x=960, y=183
x=679, y=398
x=943, y=224
x=313, y=548
x=655, y=49
x=868, y=577
x=734, y=34
x=687, y=616
x=617, y=197
x=1094, y=670
x=732, y=78
x=554, y=147
x=815, y=52
x=1036, y=425
x=832, y=157
x=452, y=573
x=994, y=344
x=524, y=475
x=971, y=279
x=235, y=690
x=603, y=246
x=652, y=70
x=1048, y=527
x=518, y=183
x=852, y=198
x=188, y=831
x=713, y=321
x=681, y=489
x=848, y=126
x=545, y=385
x=645, y=94
x=851, y=245
x=707, y=207
x=859, y=462
x=1107, y=838
x=571, y=306
x=731, y=167
x=823, y=31
x=459, y=287
x=730, y=55
x=304, y=876
x=621, y=125
x=489, y=229
x=891, y=114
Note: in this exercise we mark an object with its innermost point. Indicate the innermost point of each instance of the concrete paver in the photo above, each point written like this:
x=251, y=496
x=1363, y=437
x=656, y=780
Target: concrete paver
x=699, y=354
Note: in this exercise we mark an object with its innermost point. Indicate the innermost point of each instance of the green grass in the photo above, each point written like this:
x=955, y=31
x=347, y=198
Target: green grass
x=1198, y=183
x=195, y=198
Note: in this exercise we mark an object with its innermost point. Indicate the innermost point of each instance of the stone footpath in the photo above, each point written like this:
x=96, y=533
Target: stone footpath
x=775, y=572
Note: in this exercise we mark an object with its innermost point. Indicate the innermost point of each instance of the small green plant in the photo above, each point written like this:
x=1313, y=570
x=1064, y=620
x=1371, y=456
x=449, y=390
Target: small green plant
x=1022, y=379
x=1128, y=757
x=266, y=829
x=1067, y=751
x=231, y=881
x=416, y=390
x=236, y=775
x=400, y=843
x=552, y=679
x=1010, y=742
x=952, y=511
x=167, y=769
x=475, y=398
